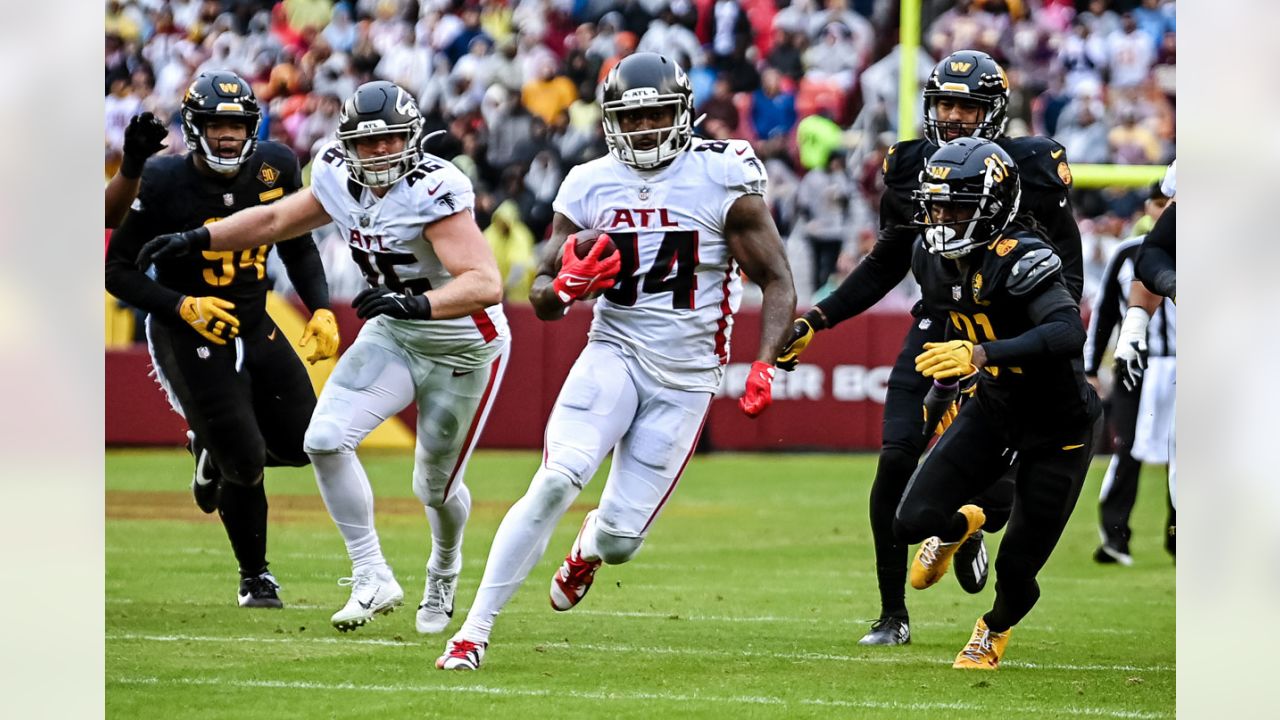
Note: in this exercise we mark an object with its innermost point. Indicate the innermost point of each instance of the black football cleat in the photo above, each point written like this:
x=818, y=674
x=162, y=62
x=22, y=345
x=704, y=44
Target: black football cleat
x=971, y=564
x=888, y=630
x=259, y=591
x=206, y=481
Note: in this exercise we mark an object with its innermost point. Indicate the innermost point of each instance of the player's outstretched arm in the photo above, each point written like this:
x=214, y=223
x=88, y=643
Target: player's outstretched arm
x=546, y=303
x=291, y=217
x=1156, y=263
x=754, y=242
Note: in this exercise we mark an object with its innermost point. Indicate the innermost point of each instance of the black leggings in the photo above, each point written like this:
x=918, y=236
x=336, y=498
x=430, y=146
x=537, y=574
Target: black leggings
x=971, y=458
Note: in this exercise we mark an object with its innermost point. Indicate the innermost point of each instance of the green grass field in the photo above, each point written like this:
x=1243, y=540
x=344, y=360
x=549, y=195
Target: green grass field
x=746, y=601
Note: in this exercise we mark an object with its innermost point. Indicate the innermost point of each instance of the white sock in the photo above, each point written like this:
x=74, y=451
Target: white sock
x=349, y=498
x=447, y=525
x=521, y=540
x=588, y=548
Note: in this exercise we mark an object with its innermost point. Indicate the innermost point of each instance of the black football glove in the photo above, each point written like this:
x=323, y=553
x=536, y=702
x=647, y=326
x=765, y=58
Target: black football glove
x=173, y=245
x=380, y=300
x=143, y=138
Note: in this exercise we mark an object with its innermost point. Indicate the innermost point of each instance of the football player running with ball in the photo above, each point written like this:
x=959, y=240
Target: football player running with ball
x=684, y=216
x=1016, y=325
x=226, y=367
x=967, y=95
x=436, y=334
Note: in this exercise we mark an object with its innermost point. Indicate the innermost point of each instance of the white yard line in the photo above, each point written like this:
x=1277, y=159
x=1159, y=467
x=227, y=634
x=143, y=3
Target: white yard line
x=640, y=650
x=453, y=689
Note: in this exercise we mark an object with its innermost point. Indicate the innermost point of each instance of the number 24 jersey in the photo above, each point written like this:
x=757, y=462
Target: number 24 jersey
x=672, y=304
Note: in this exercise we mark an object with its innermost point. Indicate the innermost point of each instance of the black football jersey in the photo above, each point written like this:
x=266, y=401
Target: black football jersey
x=976, y=301
x=175, y=196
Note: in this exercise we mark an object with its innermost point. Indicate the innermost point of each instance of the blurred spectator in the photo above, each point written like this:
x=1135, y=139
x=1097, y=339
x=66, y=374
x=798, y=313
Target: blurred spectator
x=122, y=104
x=549, y=93
x=1132, y=143
x=720, y=109
x=773, y=111
x=834, y=57
x=340, y=33
x=856, y=30
x=816, y=137
x=730, y=30
x=788, y=53
x=667, y=37
x=823, y=205
x=1130, y=53
x=512, y=244
x=1085, y=137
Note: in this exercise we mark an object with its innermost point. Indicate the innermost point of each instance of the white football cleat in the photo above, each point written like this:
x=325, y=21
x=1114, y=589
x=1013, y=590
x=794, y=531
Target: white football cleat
x=461, y=655
x=436, y=609
x=574, y=577
x=373, y=592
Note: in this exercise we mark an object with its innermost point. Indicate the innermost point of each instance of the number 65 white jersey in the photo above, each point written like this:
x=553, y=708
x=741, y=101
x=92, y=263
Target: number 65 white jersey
x=673, y=302
x=387, y=242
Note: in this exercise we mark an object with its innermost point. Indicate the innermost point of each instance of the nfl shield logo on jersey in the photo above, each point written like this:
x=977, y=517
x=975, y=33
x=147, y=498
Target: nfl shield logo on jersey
x=644, y=193
x=364, y=221
x=955, y=292
x=228, y=199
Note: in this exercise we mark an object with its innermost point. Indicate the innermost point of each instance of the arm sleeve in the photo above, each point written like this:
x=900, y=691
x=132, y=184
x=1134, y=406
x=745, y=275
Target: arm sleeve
x=302, y=260
x=1156, y=264
x=881, y=270
x=125, y=280
x=1058, y=331
x=1106, y=314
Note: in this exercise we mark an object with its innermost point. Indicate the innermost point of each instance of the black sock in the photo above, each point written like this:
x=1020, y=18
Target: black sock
x=892, y=475
x=243, y=510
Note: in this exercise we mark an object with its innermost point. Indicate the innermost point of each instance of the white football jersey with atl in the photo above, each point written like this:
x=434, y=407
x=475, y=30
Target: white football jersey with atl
x=673, y=302
x=387, y=242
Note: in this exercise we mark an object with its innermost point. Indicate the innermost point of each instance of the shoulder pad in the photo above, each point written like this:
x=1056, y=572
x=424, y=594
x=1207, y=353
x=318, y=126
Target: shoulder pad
x=1034, y=267
x=744, y=172
x=1042, y=161
x=904, y=161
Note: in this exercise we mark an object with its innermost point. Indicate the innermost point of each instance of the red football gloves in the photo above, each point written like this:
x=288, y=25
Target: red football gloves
x=759, y=389
x=580, y=277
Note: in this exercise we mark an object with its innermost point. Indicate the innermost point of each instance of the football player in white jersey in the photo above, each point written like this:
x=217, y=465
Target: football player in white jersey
x=436, y=334
x=685, y=216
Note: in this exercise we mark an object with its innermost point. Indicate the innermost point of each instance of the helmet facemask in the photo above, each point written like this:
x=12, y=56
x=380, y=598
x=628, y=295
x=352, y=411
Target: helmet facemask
x=197, y=141
x=382, y=170
x=672, y=139
x=990, y=126
x=955, y=239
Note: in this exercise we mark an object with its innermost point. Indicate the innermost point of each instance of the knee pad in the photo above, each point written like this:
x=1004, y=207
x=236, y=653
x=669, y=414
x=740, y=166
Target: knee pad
x=324, y=437
x=244, y=472
x=570, y=463
x=615, y=549
x=652, y=447
x=550, y=493
x=429, y=483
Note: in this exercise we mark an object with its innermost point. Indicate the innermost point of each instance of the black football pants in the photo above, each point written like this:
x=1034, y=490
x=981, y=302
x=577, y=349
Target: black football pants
x=903, y=442
x=970, y=458
x=1120, y=484
x=249, y=404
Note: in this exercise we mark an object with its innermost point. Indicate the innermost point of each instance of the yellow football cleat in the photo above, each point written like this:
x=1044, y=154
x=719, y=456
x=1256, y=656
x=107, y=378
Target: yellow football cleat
x=934, y=556
x=984, y=650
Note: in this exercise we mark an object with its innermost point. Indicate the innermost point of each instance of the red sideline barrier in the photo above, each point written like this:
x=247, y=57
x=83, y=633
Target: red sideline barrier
x=832, y=401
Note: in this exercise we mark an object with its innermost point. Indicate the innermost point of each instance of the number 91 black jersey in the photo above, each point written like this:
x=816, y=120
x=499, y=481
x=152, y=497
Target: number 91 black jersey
x=1004, y=290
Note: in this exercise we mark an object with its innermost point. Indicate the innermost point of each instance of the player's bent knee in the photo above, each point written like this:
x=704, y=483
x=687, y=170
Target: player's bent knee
x=429, y=486
x=552, y=490
x=324, y=437
x=1014, y=568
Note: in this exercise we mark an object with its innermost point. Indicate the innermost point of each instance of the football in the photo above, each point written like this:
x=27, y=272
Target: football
x=586, y=239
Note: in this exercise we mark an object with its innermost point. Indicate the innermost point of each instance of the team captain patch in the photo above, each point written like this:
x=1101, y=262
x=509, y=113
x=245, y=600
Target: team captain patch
x=268, y=175
x=1005, y=246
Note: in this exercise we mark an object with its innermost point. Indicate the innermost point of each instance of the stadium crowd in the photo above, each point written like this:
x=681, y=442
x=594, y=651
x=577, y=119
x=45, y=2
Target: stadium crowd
x=811, y=83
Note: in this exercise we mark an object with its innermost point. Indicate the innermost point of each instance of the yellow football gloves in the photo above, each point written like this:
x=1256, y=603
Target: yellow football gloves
x=801, y=336
x=323, y=328
x=950, y=359
x=211, y=317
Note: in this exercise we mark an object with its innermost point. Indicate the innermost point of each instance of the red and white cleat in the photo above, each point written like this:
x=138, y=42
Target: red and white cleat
x=574, y=577
x=461, y=655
